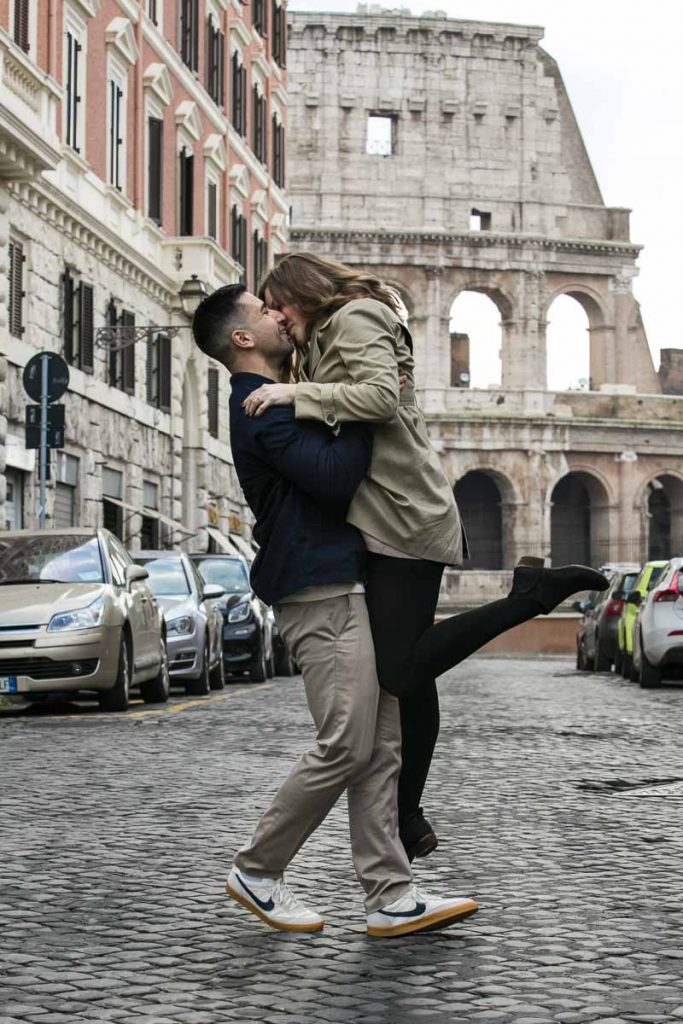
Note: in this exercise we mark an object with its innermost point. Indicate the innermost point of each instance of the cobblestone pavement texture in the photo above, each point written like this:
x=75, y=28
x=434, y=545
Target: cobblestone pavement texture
x=116, y=833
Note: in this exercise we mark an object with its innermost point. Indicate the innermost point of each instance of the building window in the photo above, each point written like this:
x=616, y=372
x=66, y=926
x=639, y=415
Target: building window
x=278, y=152
x=14, y=499
x=158, y=375
x=260, y=257
x=16, y=289
x=122, y=360
x=117, y=119
x=189, y=33
x=279, y=33
x=186, y=196
x=153, y=11
x=64, y=513
x=380, y=139
x=21, y=24
x=215, y=62
x=112, y=510
x=239, y=94
x=213, y=396
x=78, y=328
x=258, y=124
x=74, y=74
x=238, y=240
x=480, y=220
x=149, y=530
x=155, y=137
x=258, y=16
x=212, y=209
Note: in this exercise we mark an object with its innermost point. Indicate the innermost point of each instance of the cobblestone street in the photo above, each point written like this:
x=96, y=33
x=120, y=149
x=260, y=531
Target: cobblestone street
x=116, y=833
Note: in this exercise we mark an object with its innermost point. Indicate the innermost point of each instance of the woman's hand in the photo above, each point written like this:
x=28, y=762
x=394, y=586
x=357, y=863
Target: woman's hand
x=258, y=401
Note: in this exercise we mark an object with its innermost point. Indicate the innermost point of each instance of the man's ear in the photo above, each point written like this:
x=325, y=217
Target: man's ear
x=241, y=339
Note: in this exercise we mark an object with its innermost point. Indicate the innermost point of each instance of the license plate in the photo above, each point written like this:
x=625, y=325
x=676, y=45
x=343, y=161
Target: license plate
x=8, y=684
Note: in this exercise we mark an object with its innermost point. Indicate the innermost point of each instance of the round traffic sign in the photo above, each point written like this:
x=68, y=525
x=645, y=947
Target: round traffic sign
x=57, y=376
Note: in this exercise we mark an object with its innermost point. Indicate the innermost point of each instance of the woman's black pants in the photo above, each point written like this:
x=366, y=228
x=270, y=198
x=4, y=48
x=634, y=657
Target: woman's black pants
x=412, y=651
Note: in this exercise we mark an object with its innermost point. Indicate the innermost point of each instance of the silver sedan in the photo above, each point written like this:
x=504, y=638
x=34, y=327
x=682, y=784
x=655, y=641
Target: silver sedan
x=193, y=620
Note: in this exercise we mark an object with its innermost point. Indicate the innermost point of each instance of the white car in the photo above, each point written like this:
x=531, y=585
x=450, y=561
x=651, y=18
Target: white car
x=658, y=631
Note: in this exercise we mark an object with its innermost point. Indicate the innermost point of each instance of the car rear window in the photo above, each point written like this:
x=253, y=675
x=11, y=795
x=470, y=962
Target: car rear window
x=656, y=573
x=629, y=579
x=228, y=573
x=166, y=576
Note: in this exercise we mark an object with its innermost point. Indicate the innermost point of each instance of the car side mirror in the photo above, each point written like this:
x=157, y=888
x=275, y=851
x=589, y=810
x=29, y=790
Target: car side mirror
x=580, y=606
x=211, y=591
x=635, y=598
x=135, y=574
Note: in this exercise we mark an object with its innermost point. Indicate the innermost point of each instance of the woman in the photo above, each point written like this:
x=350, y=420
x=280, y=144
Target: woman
x=353, y=347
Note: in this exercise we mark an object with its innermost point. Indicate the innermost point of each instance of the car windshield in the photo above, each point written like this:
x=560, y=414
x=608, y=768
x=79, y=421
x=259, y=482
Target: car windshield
x=166, y=576
x=228, y=573
x=50, y=558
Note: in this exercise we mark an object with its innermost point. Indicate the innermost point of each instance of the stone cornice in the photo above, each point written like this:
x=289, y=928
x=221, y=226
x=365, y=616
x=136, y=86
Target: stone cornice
x=482, y=240
x=94, y=237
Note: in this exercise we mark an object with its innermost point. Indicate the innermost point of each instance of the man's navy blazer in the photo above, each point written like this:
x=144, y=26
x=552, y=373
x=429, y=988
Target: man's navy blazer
x=299, y=479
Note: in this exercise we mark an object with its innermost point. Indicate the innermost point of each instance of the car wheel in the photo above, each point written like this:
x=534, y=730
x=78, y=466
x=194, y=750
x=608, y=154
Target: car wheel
x=286, y=666
x=198, y=687
x=217, y=675
x=618, y=660
x=270, y=666
x=650, y=674
x=626, y=666
x=603, y=662
x=118, y=698
x=259, y=670
x=157, y=689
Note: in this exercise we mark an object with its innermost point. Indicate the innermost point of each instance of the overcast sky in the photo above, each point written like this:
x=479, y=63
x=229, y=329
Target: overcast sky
x=621, y=64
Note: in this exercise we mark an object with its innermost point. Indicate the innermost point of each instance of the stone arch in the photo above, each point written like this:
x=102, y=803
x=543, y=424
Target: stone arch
x=479, y=365
x=588, y=298
x=661, y=505
x=487, y=501
x=579, y=518
x=601, y=354
x=498, y=295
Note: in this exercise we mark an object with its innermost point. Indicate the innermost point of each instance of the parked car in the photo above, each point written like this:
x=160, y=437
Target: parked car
x=283, y=662
x=596, y=641
x=645, y=581
x=193, y=620
x=247, y=622
x=77, y=615
x=658, y=630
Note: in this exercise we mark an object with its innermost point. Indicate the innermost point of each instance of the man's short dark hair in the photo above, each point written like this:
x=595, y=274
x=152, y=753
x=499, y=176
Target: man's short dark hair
x=215, y=318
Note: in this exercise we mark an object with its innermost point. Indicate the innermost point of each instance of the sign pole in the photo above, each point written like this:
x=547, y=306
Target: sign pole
x=45, y=363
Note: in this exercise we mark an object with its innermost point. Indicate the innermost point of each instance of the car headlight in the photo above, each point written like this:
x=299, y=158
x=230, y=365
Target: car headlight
x=240, y=613
x=80, y=618
x=181, y=626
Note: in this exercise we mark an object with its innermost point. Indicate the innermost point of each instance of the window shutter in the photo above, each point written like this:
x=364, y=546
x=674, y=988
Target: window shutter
x=16, y=289
x=213, y=401
x=114, y=355
x=128, y=353
x=164, y=343
x=76, y=97
x=221, y=69
x=21, y=15
x=195, y=34
x=149, y=369
x=68, y=309
x=154, y=189
x=86, y=328
x=212, y=203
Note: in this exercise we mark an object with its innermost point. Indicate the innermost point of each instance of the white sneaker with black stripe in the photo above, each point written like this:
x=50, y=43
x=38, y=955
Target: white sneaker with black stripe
x=417, y=911
x=273, y=901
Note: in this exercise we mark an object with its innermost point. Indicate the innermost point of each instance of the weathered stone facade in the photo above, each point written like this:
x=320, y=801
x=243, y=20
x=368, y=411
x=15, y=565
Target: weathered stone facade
x=488, y=187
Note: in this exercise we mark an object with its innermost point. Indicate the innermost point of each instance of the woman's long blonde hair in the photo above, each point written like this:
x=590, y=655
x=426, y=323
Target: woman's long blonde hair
x=319, y=287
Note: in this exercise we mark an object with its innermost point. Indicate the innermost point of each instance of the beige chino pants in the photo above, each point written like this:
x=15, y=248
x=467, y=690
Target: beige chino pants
x=357, y=749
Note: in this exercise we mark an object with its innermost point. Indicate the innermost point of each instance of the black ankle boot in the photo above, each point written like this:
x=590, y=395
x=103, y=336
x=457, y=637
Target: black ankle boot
x=418, y=837
x=550, y=587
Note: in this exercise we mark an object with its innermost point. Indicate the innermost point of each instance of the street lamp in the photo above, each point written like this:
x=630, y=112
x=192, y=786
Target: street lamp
x=191, y=294
x=118, y=336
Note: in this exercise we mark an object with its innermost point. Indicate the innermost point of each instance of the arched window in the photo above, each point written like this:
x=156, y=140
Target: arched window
x=665, y=517
x=579, y=529
x=479, y=502
x=568, y=345
x=476, y=340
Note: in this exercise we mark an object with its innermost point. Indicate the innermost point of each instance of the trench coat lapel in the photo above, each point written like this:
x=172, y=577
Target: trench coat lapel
x=314, y=355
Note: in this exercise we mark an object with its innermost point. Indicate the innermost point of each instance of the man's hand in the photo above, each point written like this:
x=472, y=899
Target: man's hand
x=258, y=401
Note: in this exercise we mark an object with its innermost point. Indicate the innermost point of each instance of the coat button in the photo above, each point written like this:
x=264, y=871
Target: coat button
x=331, y=420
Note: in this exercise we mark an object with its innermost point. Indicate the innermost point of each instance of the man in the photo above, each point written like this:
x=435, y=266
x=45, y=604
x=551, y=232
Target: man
x=299, y=480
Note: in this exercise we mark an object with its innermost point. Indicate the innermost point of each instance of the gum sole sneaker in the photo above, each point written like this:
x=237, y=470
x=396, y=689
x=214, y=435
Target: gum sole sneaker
x=273, y=901
x=417, y=911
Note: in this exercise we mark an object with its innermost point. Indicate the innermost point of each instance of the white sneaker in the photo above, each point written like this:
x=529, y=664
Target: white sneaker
x=416, y=911
x=272, y=900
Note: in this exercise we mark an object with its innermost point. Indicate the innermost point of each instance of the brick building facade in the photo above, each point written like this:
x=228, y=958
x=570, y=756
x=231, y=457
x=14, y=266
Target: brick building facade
x=141, y=144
